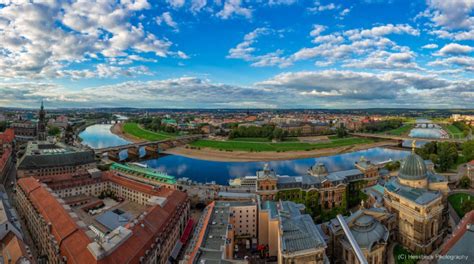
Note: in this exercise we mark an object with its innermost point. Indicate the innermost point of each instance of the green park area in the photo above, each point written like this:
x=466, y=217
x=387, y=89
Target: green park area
x=137, y=131
x=239, y=145
x=461, y=203
x=403, y=130
x=454, y=131
x=403, y=256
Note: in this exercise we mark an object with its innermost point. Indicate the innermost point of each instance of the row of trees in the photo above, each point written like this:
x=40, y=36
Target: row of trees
x=265, y=131
x=154, y=124
x=381, y=126
x=463, y=127
x=443, y=154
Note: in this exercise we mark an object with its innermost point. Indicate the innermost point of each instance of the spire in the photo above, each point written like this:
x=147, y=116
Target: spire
x=413, y=146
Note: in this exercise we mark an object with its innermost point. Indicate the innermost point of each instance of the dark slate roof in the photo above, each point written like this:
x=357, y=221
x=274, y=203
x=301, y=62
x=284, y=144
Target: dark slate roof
x=298, y=231
x=463, y=248
x=418, y=195
x=413, y=168
x=40, y=155
x=367, y=231
x=114, y=219
x=342, y=175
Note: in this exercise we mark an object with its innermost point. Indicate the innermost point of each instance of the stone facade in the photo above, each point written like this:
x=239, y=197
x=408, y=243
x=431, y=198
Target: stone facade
x=418, y=198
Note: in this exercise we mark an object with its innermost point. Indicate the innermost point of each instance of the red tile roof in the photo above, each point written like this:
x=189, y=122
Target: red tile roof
x=4, y=159
x=138, y=186
x=7, y=136
x=459, y=232
x=153, y=224
x=73, y=241
x=13, y=249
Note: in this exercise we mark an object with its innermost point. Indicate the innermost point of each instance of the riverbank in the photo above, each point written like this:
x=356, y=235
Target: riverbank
x=243, y=156
x=117, y=129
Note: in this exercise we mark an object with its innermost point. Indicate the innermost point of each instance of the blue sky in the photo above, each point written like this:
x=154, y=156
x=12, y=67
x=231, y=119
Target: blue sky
x=237, y=53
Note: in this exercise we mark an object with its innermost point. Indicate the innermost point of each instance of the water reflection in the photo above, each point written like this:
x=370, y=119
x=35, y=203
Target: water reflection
x=221, y=172
x=100, y=136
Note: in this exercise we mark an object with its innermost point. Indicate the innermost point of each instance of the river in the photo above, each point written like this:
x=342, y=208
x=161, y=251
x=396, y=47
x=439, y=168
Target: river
x=99, y=136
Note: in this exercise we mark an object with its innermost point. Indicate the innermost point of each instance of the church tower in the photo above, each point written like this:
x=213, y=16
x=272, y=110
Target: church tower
x=42, y=133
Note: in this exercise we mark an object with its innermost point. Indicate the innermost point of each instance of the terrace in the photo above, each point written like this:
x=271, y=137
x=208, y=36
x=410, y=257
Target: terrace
x=106, y=214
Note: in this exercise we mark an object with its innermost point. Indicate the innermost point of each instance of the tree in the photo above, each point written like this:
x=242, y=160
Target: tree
x=3, y=126
x=341, y=132
x=447, y=155
x=465, y=182
x=467, y=206
x=54, y=131
x=468, y=150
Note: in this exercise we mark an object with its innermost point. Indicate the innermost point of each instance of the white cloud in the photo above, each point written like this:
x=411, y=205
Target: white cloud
x=455, y=49
x=464, y=62
x=245, y=51
x=39, y=40
x=197, y=5
x=344, y=13
x=233, y=7
x=320, y=8
x=452, y=14
x=385, y=60
x=167, y=19
x=430, y=46
x=176, y=3
x=317, y=30
x=347, y=89
x=281, y=2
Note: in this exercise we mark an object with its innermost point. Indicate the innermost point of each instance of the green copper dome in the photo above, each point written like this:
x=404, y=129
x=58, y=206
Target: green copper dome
x=413, y=168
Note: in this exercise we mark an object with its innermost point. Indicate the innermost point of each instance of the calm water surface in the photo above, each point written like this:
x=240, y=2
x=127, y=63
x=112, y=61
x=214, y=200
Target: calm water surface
x=99, y=136
x=221, y=172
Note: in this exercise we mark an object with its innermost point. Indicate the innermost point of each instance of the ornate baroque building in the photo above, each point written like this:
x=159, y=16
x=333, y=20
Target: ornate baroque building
x=418, y=199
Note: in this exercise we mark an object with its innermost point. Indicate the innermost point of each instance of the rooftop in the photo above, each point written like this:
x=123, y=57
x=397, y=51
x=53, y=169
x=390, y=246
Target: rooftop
x=298, y=230
x=127, y=242
x=143, y=172
x=417, y=195
x=460, y=243
x=43, y=154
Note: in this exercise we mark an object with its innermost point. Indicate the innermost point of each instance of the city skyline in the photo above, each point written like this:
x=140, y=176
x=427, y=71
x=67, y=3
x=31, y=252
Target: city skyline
x=237, y=54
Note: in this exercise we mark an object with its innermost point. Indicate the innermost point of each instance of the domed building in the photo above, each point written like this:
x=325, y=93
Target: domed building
x=418, y=199
x=370, y=229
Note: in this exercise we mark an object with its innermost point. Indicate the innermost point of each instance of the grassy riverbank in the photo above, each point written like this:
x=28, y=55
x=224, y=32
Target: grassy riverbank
x=455, y=201
x=137, y=131
x=403, y=130
x=454, y=131
x=237, y=145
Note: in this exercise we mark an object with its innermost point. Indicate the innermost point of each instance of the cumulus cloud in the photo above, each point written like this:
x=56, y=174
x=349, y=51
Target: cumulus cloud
x=347, y=89
x=385, y=60
x=318, y=7
x=450, y=19
x=455, y=49
x=430, y=46
x=245, y=50
x=453, y=14
x=176, y=3
x=39, y=40
x=281, y=2
x=197, y=5
x=234, y=7
x=167, y=19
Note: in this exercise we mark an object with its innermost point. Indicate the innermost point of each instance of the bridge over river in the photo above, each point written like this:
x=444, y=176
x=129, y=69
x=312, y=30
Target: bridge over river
x=403, y=138
x=151, y=147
